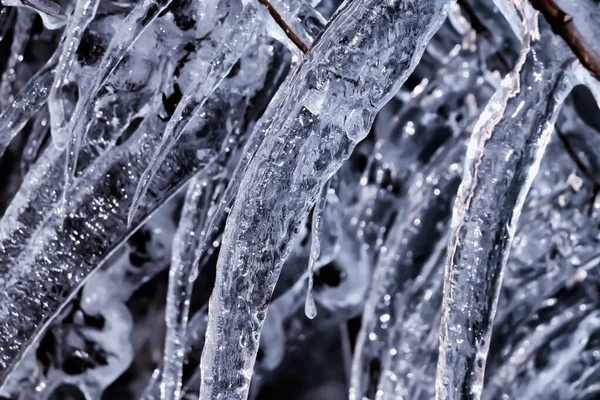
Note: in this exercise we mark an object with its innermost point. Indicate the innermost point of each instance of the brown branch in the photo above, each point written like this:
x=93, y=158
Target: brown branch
x=562, y=24
x=288, y=32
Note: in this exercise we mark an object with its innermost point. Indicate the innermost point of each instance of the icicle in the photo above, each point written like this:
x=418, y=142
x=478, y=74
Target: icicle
x=310, y=309
x=69, y=245
x=230, y=42
x=29, y=100
x=188, y=247
x=502, y=159
x=194, y=341
x=429, y=193
x=189, y=269
x=84, y=13
x=21, y=36
x=205, y=82
x=337, y=91
x=128, y=32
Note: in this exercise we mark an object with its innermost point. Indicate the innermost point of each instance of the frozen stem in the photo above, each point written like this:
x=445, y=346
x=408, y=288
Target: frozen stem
x=562, y=25
x=288, y=32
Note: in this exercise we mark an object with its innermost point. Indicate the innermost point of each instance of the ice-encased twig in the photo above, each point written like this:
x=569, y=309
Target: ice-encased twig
x=188, y=247
x=355, y=67
x=72, y=243
x=43, y=185
x=229, y=42
x=29, y=100
x=194, y=341
x=128, y=32
x=83, y=14
x=428, y=194
x=503, y=157
x=310, y=309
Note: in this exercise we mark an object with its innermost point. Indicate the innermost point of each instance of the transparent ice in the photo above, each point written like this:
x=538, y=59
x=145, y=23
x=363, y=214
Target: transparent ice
x=252, y=199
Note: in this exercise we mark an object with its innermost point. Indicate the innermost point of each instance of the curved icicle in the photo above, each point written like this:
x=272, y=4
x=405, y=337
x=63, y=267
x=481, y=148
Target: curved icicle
x=310, y=308
x=55, y=259
x=83, y=14
x=230, y=41
x=336, y=92
x=185, y=267
x=130, y=29
x=503, y=157
x=230, y=44
x=189, y=244
x=29, y=100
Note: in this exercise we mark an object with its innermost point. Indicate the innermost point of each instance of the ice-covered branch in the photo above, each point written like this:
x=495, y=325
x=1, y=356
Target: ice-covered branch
x=507, y=143
x=286, y=29
x=66, y=245
x=358, y=64
x=563, y=25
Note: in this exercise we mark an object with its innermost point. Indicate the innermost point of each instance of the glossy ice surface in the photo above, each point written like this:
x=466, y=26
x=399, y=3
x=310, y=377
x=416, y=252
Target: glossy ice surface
x=194, y=207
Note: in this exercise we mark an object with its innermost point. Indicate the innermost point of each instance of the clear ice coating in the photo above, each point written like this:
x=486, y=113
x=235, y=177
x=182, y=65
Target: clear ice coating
x=516, y=124
x=258, y=199
x=332, y=108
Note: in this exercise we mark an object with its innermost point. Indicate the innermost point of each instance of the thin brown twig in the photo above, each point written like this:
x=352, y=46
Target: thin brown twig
x=288, y=32
x=562, y=24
